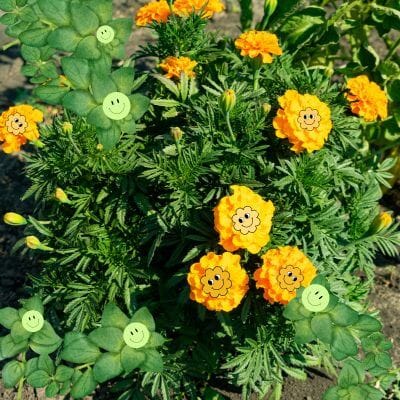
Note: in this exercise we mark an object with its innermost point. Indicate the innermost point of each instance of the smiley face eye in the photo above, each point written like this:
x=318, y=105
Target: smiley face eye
x=118, y=101
x=240, y=220
x=210, y=282
x=16, y=119
x=247, y=215
x=217, y=277
x=305, y=116
x=294, y=279
x=290, y=273
x=311, y=116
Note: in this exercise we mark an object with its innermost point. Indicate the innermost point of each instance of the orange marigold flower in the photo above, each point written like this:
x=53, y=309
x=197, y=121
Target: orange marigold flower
x=218, y=281
x=243, y=220
x=18, y=125
x=175, y=66
x=366, y=98
x=156, y=11
x=284, y=270
x=304, y=120
x=258, y=44
x=207, y=8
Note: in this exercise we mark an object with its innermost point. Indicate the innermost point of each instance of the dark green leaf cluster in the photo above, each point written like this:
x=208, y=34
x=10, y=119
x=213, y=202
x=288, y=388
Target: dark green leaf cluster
x=101, y=355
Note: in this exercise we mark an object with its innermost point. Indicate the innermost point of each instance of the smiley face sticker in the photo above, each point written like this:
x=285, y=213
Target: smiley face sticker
x=136, y=335
x=105, y=34
x=315, y=298
x=32, y=321
x=116, y=106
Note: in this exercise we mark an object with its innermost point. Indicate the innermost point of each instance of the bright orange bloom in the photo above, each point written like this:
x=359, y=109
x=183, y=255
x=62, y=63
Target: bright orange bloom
x=304, y=120
x=258, y=44
x=218, y=281
x=243, y=220
x=18, y=125
x=366, y=98
x=175, y=66
x=156, y=11
x=284, y=270
x=207, y=8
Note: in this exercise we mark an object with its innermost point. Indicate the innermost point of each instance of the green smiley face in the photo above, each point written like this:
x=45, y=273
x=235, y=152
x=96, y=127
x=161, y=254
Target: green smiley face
x=136, y=335
x=105, y=34
x=116, y=105
x=32, y=321
x=315, y=298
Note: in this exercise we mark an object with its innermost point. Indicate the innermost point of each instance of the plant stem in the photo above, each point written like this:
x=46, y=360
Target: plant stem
x=228, y=123
x=393, y=49
x=74, y=144
x=256, y=78
x=11, y=44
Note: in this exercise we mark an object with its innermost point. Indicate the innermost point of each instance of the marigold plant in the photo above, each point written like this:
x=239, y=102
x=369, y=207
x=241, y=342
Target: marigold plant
x=206, y=8
x=284, y=270
x=243, y=220
x=156, y=11
x=175, y=66
x=304, y=120
x=366, y=98
x=218, y=281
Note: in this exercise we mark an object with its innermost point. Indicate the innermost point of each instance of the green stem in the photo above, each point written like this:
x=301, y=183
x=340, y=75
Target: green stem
x=83, y=366
x=256, y=78
x=228, y=123
x=393, y=49
x=20, y=388
x=11, y=44
x=73, y=143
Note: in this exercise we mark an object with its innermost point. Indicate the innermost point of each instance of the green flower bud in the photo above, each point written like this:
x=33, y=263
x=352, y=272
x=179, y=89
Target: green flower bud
x=176, y=133
x=267, y=108
x=14, y=219
x=269, y=7
x=227, y=100
x=61, y=196
x=67, y=128
x=35, y=244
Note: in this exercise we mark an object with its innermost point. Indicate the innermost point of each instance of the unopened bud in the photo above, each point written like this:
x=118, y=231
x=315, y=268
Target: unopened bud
x=35, y=244
x=100, y=147
x=227, y=100
x=67, y=128
x=269, y=8
x=37, y=143
x=64, y=81
x=14, y=219
x=176, y=133
x=61, y=196
x=382, y=221
x=267, y=108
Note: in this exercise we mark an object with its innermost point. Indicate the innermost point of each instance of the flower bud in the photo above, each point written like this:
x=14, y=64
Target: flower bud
x=35, y=244
x=99, y=147
x=382, y=221
x=61, y=196
x=67, y=128
x=37, y=143
x=267, y=108
x=176, y=133
x=14, y=219
x=227, y=100
x=269, y=8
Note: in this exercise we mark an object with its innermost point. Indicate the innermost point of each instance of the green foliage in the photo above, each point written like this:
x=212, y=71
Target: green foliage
x=61, y=375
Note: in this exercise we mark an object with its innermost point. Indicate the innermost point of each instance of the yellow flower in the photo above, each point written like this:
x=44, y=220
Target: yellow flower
x=218, y=281
x=304, y=120
x=156, y=11
x=382, y=221
x=176, y=133
x=18, y=125
x=284, y=270
x=207, y=8
x=175, y=66
x=366, y=98
x=12, y=218
x=243, y=220
x=258, y=44
x=67, y=127
x=35, y=244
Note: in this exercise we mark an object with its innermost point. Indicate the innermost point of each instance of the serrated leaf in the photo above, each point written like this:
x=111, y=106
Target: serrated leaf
x=19, y=333
x=46, y=336
x=343, y=315
x=63, y=373
x=144, y=317
x=123, y=78
x=52, y=389
x=108, y=338
x=79, y=349
x=84, y=20
x=8, y=316
x=351, y=374
x=77, y=72
x=35, y=37
x=9, y=348
x=153, y=362
x=12, y=373
x=79, y=101
x=108, y=137
x=85, y=385
x=97, y=117
x=38, y=379
x=51, y=94
x=366, y=323
x=344, y=341
x=304, y=334
x=64, y=38
x=31, y=54
x=56, y=11
x=107, y=367
x=87, y=48
x=139, y=105
x=321, y=325
x=131, y=358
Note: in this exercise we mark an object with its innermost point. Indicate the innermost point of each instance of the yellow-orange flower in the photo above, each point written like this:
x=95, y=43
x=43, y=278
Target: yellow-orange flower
x=304, y=120
x=175, y=66
x=156, y=11
x=366, y=98
x=284, y=270
x=258, y=44
x=18, y=125
x=207, y=8
x=243, y=220
x=218, y=281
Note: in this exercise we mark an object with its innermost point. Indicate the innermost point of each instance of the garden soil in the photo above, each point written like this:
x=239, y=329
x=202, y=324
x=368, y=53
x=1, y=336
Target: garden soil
x=15, y=268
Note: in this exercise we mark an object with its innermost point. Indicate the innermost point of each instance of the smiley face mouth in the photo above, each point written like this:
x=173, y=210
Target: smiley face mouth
x=33, y=326
x=137, y=341
x=249, y=224
x=106, y=35
x=312, y=302
x=117, y=113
